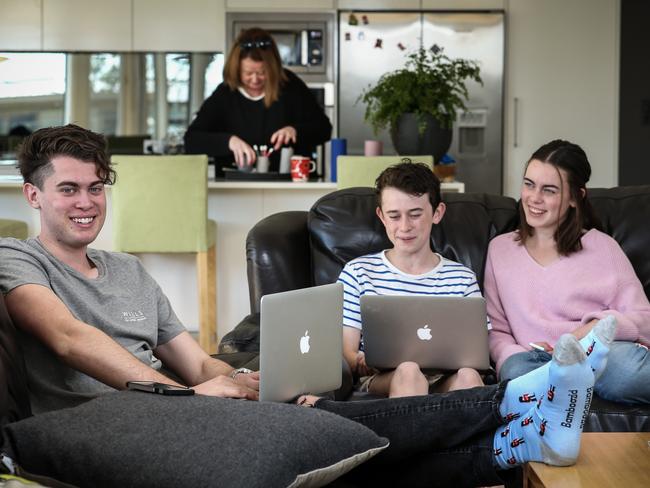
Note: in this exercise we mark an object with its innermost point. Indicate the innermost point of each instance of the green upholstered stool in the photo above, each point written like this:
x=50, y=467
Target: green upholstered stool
x=364, y=170
x=13, y=228
x=160, y=205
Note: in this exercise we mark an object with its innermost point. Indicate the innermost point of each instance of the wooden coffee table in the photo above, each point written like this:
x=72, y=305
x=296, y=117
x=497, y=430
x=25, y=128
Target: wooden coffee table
x=609, y=459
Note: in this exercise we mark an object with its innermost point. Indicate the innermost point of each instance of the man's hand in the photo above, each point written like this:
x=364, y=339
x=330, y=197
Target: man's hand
x=225, y=387
x=282, y=137
x=244, y=154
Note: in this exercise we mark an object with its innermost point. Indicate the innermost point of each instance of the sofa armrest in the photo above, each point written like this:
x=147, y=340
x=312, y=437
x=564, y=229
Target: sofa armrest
x=245, y=337
x=278, y=256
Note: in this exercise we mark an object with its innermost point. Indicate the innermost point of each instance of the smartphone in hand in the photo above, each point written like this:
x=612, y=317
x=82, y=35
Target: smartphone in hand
x=159, y=388
x=541, y=346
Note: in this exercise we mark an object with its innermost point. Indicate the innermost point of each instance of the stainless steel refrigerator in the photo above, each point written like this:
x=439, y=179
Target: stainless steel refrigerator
x=373, y=43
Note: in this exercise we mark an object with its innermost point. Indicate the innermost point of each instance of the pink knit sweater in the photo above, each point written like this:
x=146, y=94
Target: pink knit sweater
x=527, y=302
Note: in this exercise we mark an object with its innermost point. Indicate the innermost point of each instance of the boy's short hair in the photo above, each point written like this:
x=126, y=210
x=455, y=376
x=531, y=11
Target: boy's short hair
x=36, y=152
x=412, y=178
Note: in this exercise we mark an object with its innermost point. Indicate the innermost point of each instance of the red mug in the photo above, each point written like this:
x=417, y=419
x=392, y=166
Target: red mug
x=301, y=166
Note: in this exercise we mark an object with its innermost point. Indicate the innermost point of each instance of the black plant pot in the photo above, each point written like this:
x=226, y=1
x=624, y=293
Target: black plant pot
x=408, y=141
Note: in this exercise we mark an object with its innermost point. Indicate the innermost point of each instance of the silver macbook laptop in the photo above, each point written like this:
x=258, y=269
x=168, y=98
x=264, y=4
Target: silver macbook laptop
x=301, y=342
x=436, y=332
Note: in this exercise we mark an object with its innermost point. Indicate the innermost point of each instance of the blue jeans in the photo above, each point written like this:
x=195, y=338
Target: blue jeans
x=626, y=378
x=435, y=440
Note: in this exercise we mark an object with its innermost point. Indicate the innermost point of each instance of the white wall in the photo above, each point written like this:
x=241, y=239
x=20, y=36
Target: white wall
x=562, y=67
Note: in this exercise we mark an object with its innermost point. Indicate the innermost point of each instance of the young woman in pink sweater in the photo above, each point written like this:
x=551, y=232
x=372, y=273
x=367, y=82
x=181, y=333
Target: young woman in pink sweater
x=559, y=274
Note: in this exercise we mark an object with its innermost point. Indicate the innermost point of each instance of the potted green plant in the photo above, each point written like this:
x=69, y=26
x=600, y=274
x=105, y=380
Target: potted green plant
x=418, y=102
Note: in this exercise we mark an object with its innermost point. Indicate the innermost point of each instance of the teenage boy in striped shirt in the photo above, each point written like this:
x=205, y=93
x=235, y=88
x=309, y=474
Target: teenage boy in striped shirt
x=408, y=204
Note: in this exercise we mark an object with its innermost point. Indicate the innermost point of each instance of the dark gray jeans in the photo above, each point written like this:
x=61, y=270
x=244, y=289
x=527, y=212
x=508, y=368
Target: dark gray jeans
x=435, y=440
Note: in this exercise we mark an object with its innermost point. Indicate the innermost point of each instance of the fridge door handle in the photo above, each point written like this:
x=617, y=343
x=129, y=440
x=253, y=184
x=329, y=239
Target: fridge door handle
x=516, y=122
x=304, y=48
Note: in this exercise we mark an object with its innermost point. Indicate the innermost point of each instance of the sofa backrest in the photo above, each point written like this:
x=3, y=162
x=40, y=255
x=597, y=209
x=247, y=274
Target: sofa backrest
x=625, y=214
x=292, y=250
x=14, y=397
x=343, y=225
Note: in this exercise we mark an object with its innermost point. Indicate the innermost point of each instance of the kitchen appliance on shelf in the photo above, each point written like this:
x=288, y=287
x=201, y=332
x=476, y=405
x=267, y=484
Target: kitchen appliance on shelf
x=374, y=43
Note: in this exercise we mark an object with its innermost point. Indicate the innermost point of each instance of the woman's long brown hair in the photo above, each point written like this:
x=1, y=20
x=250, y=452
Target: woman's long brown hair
x=258, y=45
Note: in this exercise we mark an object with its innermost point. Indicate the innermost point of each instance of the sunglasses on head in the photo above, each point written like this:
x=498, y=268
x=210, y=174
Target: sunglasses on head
x=258, y=44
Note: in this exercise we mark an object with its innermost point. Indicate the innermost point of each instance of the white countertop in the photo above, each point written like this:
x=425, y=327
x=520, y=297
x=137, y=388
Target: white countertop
x=273, y=185
x=455, y=186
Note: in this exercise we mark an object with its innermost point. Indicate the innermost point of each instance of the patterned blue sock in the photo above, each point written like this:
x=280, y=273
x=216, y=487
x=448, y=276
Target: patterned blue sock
x=523, y=391
x=596, y=344
x=550, y=431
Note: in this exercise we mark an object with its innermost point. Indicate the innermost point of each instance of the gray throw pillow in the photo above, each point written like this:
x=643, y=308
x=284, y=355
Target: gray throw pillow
x=140, y=439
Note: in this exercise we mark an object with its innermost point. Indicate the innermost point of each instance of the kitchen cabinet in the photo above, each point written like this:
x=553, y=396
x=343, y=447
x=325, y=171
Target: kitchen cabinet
x=80, y=25
x=20, y=25
x=167, y=25
x=562, y=82
x=279, y=5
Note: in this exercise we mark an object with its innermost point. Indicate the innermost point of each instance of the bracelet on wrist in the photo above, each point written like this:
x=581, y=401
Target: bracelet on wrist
x=235, y=372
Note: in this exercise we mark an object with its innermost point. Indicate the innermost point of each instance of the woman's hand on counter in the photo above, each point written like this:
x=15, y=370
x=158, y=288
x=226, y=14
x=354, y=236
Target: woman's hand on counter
x=244, y=154
x=283, y=137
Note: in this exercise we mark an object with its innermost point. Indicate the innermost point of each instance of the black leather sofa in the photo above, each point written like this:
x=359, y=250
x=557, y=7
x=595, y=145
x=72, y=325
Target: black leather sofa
x=291, y=250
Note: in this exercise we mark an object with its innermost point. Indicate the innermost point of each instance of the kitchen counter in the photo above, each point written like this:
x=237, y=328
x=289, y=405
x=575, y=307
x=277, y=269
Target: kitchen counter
x=274, y=185
x=10, y=181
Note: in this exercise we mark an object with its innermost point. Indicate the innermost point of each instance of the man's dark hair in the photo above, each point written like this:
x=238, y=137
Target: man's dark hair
x=36, y=152
x=412, y=178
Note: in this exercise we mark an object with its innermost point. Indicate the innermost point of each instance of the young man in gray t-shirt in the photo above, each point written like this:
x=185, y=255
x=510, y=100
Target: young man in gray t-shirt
x=89, y=320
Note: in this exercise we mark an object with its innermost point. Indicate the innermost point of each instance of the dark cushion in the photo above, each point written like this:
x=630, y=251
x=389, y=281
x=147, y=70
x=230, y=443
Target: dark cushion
x=141, y=439
x=470, y=222
x=606, y=416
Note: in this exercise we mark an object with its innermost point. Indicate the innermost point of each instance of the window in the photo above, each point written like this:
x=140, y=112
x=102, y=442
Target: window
x=111, y=93
x=32, y=90
x=104, y=79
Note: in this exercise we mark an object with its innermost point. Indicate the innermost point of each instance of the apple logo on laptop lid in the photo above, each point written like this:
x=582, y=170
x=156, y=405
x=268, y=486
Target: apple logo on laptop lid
x=304, y=343
x=424, y=333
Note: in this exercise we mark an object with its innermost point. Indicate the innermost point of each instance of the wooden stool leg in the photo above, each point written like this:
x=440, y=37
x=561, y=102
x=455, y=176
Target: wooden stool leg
x=206, y=270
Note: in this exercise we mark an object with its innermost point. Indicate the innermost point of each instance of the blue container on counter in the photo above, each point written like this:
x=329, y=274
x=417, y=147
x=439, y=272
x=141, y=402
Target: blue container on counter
x=338, y=147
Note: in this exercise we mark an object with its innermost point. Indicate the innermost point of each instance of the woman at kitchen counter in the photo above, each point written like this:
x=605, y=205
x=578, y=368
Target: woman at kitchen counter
x=258, y=104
